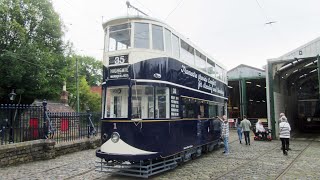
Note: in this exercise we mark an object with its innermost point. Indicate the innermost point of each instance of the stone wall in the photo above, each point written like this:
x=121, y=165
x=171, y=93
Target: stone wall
x=18, y=153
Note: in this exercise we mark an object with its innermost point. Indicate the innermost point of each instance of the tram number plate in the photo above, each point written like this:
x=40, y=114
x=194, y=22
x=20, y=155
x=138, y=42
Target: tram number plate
x=118, y=59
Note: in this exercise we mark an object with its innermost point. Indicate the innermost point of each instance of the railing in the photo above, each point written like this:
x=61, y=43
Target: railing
x=19, y=123
x=72, y=126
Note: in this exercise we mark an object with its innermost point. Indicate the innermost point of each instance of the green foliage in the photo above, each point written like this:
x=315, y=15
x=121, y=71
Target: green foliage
x=31, y=50
x=33, y=58
x=87, y=99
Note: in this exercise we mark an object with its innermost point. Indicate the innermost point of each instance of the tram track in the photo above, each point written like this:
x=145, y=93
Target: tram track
x=246, y=163
x=92, y=169
x=264, y=153
x=292, y=162
x=80, y=174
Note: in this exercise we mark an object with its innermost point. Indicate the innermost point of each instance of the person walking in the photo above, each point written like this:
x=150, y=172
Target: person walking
x=246, y=125
x=225, y=134
x=239, y=129
x=284, y=130
x=283, y=115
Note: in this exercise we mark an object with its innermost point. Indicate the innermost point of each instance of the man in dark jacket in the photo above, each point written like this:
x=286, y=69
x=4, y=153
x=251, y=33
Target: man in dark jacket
x=246, y=125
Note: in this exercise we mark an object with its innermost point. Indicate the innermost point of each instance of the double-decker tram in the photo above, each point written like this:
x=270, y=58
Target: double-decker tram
x=160, y=93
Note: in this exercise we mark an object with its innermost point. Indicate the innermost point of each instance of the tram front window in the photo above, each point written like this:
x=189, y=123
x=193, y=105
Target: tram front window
x=119, y=37
x=117, y=102
x=142, y=102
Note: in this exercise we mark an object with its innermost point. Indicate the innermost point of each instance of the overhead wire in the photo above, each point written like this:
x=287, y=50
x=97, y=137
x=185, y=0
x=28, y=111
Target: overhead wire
x=174, y=9
x=263, y=12
x=144, y=6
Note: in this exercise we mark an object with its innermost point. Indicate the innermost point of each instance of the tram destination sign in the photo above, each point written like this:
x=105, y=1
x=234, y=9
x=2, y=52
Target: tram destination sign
x=114, y=60
x=119, y=72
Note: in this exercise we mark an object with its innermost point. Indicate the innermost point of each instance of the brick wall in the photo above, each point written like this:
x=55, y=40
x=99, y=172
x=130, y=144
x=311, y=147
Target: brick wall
x=18, y=153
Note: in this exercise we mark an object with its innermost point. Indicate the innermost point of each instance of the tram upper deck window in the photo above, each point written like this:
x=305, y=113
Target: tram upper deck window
x=187, y=53
x=119, y=37
x=219, y=72
x=211, y=67
x=167, y=36
x=201, y=61
x=175, y=46
x=116, y=102
x=142, y=102
x=141, y=35
x=157, y=37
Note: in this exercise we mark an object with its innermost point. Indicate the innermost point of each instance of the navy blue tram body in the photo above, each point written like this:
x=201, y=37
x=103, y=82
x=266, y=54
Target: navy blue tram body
x=193, y=97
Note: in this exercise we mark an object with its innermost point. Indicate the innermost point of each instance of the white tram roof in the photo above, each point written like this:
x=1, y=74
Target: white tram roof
x=126, y=19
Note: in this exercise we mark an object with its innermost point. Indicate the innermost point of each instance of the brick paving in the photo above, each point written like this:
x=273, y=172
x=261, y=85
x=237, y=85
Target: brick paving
x=261, y=160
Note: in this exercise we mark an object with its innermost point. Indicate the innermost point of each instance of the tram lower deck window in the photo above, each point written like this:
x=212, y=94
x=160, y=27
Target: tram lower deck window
x=142, y=102
x=193, y=108
x=116, y=105
x=148, y=105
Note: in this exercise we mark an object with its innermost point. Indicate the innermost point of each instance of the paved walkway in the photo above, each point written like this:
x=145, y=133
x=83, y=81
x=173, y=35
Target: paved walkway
x=261, y=160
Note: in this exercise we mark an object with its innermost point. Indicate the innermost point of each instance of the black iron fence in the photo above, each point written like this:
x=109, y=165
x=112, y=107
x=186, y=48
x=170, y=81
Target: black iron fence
x=19, y=123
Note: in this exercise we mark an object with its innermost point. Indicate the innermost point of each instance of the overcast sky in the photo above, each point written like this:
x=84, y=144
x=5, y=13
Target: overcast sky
x=232, y=31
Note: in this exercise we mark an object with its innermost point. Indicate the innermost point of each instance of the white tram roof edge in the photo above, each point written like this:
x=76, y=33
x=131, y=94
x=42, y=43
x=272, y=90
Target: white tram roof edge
x=124, y=19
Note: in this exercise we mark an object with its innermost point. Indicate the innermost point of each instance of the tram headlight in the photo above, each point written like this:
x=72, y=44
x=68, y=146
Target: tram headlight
x=115, y=137
x=309, y=119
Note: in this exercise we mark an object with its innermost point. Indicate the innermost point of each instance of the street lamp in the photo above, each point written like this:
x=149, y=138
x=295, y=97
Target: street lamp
x=12, y=96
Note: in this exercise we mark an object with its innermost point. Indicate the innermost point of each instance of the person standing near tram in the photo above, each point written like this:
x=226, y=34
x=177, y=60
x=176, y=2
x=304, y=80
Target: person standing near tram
x=225, y=134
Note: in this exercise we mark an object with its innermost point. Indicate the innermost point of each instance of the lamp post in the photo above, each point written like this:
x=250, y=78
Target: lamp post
x=45, y=129
x=77, y=85
x=12, y=96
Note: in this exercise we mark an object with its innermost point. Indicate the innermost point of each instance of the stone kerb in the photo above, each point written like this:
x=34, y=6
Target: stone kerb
x=18, y=153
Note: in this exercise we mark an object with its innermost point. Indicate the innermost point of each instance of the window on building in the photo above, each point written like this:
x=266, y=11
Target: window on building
x=157, y=37
x=119, y=37
x=141, y=35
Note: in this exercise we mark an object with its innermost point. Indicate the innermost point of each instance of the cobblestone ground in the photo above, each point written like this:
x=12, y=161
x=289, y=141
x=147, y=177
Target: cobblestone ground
x=261, y=160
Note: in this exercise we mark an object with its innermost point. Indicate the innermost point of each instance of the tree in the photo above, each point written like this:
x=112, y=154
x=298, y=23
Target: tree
x=91, y=69
x=90, y=74
x=87, y=99
x=31, y=50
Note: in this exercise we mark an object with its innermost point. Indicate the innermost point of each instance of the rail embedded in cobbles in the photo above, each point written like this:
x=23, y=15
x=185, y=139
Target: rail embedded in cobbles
x=241, y=163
